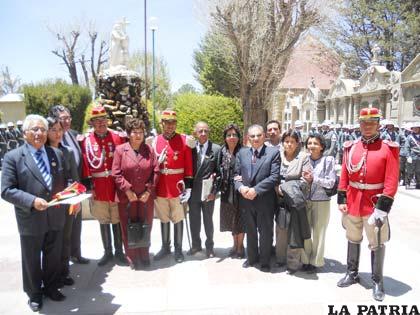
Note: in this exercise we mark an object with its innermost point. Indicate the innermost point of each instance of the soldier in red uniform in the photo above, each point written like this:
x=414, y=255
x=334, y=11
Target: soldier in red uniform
x=368, y=184
x=176, y=172
x=98, y=148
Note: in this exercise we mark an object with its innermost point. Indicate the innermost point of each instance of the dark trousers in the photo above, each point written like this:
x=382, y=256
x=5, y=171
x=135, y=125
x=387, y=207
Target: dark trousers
x=76, y=232
x=403, y=161
x=66, y=246
x=196, y=208
x=142, y=214
x=413, y=170
x=36, y=272
x=259, y=222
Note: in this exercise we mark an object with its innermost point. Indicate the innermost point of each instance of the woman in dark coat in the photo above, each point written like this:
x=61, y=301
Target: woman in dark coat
x=135, y=171
x=231, y=218
x=54, y=139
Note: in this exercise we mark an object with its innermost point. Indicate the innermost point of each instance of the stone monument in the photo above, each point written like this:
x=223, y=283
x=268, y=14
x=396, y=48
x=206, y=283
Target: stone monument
x=121, y=91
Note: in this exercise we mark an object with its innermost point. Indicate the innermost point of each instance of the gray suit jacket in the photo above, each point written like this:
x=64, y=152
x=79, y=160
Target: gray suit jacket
x=22, y=182
x=204, y=170
x=264, y=178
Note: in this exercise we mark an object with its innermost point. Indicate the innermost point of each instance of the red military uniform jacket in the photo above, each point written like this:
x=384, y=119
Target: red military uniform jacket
x=364, y=165
x=175, y=164
x=97, y=157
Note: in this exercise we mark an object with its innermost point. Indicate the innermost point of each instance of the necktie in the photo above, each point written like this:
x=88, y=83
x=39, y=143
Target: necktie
x=200, y=153
x=254, y=157
x=43, y=168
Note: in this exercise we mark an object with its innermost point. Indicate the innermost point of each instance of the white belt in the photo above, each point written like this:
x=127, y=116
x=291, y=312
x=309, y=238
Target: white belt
x=171, y=171
x=101, y=174
x=366, y=186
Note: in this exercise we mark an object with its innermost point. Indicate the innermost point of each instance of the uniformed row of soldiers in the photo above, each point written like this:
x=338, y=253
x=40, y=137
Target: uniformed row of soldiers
x=407, y=138
x=11, y=137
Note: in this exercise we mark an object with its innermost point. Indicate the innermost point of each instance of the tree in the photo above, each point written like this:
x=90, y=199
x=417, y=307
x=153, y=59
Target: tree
x=186, y=88
x=393, y=25
x=162, y=80
x=8, y=83
x=40, y=97
x=263, y=34
x=217, y=111
x=216, y=66
x=70, y=52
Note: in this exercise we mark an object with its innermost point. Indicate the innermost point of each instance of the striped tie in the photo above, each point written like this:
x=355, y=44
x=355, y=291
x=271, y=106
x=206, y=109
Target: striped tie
x=43, y=168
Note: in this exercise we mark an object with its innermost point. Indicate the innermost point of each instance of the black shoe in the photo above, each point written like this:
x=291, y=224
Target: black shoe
x=121, y=259
x=106, y=258
x=210, y=252
x=311, y=269
x=305, y=267
x=247, y=264
x=280, y=264
x=290, y=271
x=35, y=304
x=232, y=252
x=67, y=281
x=265, y=268
x=164, y=251
x=55, y=295
x=194, y=251
x=79, y=260
x=145, y=262
x=349, y=279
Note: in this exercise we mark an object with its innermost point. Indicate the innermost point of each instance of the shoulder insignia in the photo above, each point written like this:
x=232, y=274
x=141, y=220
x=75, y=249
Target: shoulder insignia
x=392, y=144
x=348, y=144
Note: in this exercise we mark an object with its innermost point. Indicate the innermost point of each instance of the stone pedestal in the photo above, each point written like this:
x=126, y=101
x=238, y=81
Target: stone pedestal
x=120, y=92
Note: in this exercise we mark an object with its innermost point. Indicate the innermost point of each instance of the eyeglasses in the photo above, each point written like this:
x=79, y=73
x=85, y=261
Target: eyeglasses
x=65, y=118
x=255, y=136
x=206, y=131
x=231, y=135
x=36, y=129
x=137, y=132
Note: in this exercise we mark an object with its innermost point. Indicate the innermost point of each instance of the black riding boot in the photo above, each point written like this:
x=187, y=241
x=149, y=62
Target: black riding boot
x=178, y=231
x=106, y=241
x=352, y=274
x=119, y=254
x=165, y=229
x=377, y=260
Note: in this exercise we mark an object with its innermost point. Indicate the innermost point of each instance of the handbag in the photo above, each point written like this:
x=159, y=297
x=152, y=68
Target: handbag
x=138, y=233
x=331, y=191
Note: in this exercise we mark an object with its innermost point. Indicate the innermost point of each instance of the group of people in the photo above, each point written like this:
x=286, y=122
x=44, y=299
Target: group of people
x=272, y=185
x=407, y=137
x=11, y=137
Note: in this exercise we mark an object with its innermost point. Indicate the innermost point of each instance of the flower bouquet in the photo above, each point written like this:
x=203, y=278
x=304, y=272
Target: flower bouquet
x=72, y=195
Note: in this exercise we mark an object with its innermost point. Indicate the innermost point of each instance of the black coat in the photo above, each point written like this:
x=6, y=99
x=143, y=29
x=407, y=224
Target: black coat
x=204, y=170
x=22, y=182
x=294, y=196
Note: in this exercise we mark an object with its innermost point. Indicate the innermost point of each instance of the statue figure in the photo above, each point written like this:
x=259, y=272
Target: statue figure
x=119, y=45
x=375, y=52
x=342, y=71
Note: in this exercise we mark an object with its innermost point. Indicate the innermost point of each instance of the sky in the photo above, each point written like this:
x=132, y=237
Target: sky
x=27, y=41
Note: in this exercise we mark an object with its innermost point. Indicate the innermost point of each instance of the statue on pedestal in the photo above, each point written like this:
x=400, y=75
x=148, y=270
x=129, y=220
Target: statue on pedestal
x=118, y=55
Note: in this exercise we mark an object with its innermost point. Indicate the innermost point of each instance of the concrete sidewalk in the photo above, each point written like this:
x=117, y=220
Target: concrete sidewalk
x=220, y=285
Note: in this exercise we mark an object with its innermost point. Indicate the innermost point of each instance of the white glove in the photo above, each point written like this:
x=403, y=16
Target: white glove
x=185, y=196
x=149, y=140
x=190, y=141
x=377, y=214
x=410, y=160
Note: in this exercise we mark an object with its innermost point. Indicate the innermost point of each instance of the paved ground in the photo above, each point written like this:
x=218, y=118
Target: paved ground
x=220, y=285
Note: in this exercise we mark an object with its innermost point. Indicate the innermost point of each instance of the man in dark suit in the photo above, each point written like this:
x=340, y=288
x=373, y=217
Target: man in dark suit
x=257, y=173
x=63, y=114
x=204, y=166
x=31, y=175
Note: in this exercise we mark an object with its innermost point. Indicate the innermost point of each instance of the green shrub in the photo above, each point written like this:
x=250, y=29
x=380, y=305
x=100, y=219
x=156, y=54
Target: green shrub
x=216, y=111
x=40, y=97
